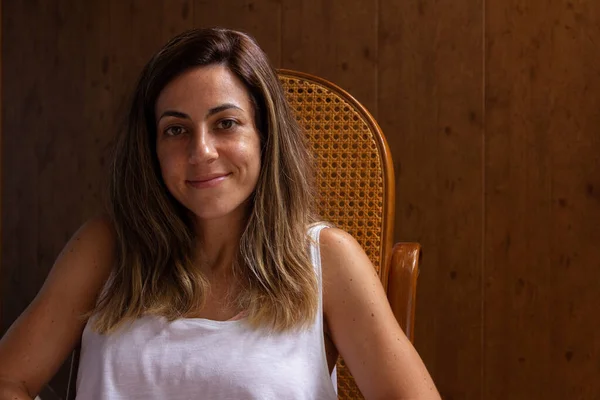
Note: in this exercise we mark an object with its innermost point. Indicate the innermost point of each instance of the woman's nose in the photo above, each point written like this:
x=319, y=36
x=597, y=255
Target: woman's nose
x=202, y=148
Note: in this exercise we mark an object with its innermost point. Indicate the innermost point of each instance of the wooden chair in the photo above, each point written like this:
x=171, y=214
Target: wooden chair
x=355, y=178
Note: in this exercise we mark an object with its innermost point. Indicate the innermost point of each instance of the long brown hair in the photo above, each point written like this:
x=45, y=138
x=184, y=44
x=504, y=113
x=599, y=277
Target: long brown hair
x=154, y=273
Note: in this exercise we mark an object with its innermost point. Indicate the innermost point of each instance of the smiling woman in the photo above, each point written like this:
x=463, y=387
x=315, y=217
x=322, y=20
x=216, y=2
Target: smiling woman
x=211, y=275
x=207, y=139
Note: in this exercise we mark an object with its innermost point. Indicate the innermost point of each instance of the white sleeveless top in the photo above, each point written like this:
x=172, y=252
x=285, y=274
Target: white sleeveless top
x=196, y=358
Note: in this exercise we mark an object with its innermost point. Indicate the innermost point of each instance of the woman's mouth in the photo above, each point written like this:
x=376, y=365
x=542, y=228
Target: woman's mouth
x=207, y=182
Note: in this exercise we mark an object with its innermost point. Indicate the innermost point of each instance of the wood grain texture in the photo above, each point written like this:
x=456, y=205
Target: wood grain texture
x=23, y=117
x=259, y=18
x=575, y=198
x=430, y=108
x=334, y=40
x=136, y=33
x=177, y=16
x=542, y=159
x=98, y=122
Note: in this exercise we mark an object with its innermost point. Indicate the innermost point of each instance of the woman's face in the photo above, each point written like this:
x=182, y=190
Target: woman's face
x=207, y=143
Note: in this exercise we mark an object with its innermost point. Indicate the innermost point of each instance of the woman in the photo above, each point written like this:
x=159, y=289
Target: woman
x=210, y=277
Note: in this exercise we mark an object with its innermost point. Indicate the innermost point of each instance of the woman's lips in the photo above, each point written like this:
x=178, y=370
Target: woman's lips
x=207, y=183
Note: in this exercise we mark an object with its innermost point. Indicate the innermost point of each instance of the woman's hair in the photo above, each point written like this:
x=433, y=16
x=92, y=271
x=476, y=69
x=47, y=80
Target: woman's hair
x=155, y=272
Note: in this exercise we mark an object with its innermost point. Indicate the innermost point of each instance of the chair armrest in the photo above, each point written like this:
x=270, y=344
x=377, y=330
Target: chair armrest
x=402, y=284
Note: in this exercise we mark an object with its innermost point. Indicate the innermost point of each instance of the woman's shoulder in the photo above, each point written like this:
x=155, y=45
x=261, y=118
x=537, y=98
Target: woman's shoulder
x=342, y=255
x=337, y=242
x=96, y=235
x=90, y=253
x=99, y=226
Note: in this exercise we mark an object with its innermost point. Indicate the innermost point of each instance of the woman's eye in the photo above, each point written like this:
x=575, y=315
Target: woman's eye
x=226, y=124
x=174, y=130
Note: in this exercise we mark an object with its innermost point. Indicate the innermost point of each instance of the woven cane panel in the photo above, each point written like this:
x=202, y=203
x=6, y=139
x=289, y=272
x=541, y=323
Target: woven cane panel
x=349, y=167
x=349, y=173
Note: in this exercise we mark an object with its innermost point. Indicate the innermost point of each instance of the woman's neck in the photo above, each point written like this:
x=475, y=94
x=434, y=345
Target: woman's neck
x=219, y=241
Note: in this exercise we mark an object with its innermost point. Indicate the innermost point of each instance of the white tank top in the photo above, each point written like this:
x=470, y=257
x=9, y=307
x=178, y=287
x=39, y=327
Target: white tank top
x=196, y=358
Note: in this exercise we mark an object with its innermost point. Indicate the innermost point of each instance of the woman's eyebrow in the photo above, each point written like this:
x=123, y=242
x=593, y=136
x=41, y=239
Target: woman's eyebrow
x=172, y=113
x=222, y=107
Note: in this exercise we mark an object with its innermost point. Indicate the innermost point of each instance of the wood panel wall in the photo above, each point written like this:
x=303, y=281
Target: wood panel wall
x=492, y=112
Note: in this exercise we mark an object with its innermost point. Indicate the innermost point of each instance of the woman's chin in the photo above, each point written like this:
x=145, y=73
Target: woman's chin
x=218, y=213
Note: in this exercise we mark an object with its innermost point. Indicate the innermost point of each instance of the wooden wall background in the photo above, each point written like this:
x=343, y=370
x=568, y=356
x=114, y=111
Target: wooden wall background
x=492, y=112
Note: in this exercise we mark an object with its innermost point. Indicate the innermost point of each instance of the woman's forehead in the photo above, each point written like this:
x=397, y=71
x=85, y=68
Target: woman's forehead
x=204, y=87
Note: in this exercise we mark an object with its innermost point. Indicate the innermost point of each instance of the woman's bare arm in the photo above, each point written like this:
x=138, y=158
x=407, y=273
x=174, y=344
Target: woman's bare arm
x=382, y=360
x=39, y=341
